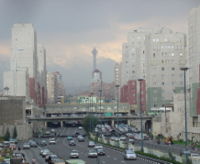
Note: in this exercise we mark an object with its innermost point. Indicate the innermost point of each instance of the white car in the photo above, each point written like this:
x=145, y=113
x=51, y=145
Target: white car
x=80, y=128
x=52, y=141
x=92, y=153
x=74, y=154
x=26, y=146
x=98, y=147
x=91, y=144
x=129, y=154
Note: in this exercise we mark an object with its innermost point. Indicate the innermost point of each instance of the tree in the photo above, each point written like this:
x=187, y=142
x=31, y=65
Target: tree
x=7, y=135
x=89, y=123
x=15, y=132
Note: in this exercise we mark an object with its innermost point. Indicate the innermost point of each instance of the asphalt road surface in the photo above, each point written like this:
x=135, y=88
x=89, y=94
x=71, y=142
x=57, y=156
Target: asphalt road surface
x=62, y=150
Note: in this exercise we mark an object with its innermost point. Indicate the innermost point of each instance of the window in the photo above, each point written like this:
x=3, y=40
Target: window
x=173, y=68
x=162, y=68
x=154, y=55
x=163, y=83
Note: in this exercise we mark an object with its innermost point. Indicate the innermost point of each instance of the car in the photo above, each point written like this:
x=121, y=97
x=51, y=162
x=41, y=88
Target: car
x=52, y=141
x=92, y=153
x=72, y=143
x=43, y=143
x=45, y=152
x=74, y=154
x=132, y=141
x=69, y=138
x=50, y=157
x=80, y=138
x=57, y=161
x=18, y=155
x=91, y=144
x=98, y=147
x=129, y=154
x=26, y=146
x=13, y=146
x=122, y=138
x=80, y=128
x=32, y=143
x=100, y=151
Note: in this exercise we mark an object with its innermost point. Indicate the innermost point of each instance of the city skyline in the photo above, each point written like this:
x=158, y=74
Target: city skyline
x=72, y=39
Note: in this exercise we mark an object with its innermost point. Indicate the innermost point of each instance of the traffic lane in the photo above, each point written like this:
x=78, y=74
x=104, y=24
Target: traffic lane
x=32, y=153
x=62, y=149
x=112, y=156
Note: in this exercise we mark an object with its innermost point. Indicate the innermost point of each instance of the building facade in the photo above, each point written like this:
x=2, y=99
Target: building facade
x=194, y=58
x=27, y=75
x=154, y=55
x=55, y=88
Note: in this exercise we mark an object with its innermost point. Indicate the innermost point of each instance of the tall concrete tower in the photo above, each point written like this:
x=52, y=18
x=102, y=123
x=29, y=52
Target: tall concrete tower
x=94, y=53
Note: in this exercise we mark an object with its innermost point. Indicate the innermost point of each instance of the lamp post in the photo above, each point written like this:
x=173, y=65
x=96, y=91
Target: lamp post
x=184, y=69
x=117, y=91
x=141, y=122
x=100, y=95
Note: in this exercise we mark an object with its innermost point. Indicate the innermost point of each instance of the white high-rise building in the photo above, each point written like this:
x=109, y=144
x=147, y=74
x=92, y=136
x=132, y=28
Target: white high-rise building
x=27, y=75
x=156, y=56
x=23, y=65
x=194, y=58
x=24, y=49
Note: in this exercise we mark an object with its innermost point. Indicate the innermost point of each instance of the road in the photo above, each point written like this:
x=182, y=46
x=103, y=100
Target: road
x=62, y=150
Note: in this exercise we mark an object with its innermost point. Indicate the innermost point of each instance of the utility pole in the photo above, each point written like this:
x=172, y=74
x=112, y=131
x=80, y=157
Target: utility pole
x=141, y=121
x=117, y=91
x=184, y=69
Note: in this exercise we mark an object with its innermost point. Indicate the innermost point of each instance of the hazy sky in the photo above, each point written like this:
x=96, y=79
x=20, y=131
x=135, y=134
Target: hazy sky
x=69, y=29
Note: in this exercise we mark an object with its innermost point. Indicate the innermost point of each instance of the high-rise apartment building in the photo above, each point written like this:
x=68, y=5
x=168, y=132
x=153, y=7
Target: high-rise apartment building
x=166, y=54
x=41, y=77
x=55, y=87
x=27, y=75
x=194, y=58
x=156, y=56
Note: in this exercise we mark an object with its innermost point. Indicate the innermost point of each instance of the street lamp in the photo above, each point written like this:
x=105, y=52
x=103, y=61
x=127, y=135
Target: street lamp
x=142, y=143
x=117, y=89
x=184, y=69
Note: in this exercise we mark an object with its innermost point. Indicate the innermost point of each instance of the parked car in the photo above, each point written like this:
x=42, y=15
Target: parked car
x=129, y=154
x=74, y=154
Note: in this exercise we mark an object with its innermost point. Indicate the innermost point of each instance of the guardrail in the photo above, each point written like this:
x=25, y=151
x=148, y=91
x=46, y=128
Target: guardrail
x=140, y=156
x=143, y=157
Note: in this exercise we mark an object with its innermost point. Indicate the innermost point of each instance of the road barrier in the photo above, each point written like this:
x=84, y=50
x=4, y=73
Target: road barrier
x=140, y=156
